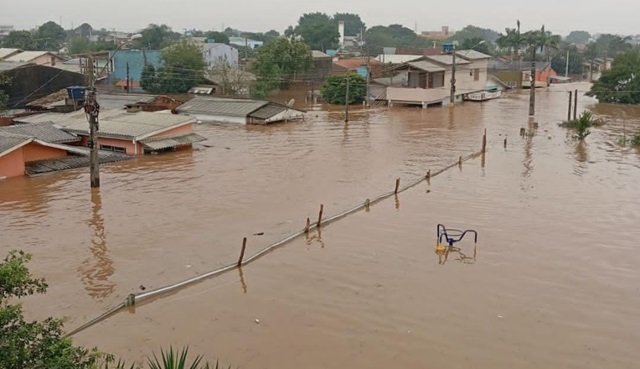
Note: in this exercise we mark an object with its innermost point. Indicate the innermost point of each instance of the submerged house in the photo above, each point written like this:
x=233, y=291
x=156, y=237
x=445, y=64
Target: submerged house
x=129, y=133
x=429, y=78
x=239, y=111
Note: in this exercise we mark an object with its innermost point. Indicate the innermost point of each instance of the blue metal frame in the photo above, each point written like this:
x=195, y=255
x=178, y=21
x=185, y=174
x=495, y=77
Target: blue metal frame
x=453, y=235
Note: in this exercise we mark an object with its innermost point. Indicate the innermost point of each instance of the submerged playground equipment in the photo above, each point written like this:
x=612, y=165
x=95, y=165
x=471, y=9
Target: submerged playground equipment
x=451, y=237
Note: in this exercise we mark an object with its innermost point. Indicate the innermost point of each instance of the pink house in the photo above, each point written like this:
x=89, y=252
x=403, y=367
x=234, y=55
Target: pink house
x=130, y=133
x=17, y=152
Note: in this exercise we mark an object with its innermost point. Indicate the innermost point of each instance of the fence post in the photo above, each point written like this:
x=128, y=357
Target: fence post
x=397, y=186
x=320, y=215
x=244, y=246
x=306, y=228
x=484, y=141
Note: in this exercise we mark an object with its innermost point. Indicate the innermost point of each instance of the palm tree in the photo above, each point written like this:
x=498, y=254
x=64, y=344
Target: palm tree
x=512, y=40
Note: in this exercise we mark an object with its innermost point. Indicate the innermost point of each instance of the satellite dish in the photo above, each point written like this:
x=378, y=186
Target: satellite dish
x=290, y=103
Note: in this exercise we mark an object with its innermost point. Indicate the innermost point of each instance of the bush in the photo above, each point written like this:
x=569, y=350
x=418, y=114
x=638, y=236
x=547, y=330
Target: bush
x=581, y=125
x=334, y=91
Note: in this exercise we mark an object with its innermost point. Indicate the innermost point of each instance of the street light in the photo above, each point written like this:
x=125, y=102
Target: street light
x=452, y=98
x=92, y=109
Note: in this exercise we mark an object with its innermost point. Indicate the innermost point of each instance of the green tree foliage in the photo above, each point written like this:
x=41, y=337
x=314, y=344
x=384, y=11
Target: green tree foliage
x=282, y=60
x=578, y=37
x=219, y=37
x=81, y=45
x=32, y=345
x=4, y=98
x=84, y=30
x=473, y=32
x=260, y=36
x=620, y=84
x=394, y=35
x=576, y=59
x=182, y=68
x=156, y=37
x=318, y=31
x=511, y=41
x=353, y=24
x=477, y=44
x=334, y=91
x=50, y=36
x=20, y=40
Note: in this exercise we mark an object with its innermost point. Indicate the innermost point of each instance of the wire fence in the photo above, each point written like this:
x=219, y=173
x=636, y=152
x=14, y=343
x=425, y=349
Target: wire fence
x=147, y=296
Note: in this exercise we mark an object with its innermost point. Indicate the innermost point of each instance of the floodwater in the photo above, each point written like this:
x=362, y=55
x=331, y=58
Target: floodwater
x=554, y=280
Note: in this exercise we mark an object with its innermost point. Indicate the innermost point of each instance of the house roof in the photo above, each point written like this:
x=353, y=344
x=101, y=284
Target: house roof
x=221, y=106
x=9, y=144
x=7, y=66
x=397, y=59
x=316, y=54
x=163, y=142
x=27, y=56
x=268, y=111
x=115, y=123
x=42, y=131
x=6, y=52
x=399, y=79
x=472, y=55
x=423, y=65
x=446, y=59
x=209, y=46
x=354, y=63
x=120, y=101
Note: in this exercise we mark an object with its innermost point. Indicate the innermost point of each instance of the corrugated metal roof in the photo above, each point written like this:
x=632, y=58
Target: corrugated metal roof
x=8, y=144
x=114, y=123
x=5, y=52
x=268, y=111
x=27, y=56
x=7, y=66
x=220, y=106
x=472, y=55
x=164, y=142
x=42, y=131
x=446, y=59
x=120, y=101
x=426, y=66
x=397, y=59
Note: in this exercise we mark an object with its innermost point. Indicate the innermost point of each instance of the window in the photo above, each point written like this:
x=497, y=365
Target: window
x=476, y=74
x=113, y=148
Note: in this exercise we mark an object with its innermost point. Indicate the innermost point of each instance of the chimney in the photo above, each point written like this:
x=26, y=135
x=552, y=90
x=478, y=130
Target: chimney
x=341, y=31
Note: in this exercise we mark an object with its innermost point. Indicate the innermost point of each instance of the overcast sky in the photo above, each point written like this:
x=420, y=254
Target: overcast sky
x=559, y=16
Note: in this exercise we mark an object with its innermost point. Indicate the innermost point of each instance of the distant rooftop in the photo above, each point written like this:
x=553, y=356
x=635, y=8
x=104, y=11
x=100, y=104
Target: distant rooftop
x=41, y=131
x=446, y=59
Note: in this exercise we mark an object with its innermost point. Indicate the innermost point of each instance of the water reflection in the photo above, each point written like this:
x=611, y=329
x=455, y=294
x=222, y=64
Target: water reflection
x=242, y=282
x=95, y=271
x=443, y=255
x=315, y=238
x=582, y=158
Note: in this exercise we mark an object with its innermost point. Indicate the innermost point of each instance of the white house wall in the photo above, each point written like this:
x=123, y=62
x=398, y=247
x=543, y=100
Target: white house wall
x=226, y=52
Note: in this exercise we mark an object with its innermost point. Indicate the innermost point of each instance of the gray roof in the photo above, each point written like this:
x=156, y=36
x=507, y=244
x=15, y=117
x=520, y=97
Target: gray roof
x=27, y=56
x=5, y=52
x=164, y=142
x=8, y=143
x=42, y=131
x=472, y=55
x=316, y=54
x=268, y=111
x=115, y=123
x=120, y=101
x=220, y=106
x=425, y=66
x=7, y=66
x=446, y=59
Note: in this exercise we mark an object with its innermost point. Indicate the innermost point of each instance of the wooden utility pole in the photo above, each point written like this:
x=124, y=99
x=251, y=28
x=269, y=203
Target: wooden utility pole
x=128, y=80
x=452, y=98
x=570, y=102
x=346, y=102
x=575, y=105
x=92, y=109
x=532, y=79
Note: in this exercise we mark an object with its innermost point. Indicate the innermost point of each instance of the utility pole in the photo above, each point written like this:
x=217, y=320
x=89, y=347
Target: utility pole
x=566, y=69
x=128, y=80
x=532, y=93
x=368, y=77
x=346, y=102
x=452, y=98
x=92, y=109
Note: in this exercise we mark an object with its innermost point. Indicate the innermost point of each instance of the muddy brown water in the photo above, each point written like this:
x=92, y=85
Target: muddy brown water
x=554, y=282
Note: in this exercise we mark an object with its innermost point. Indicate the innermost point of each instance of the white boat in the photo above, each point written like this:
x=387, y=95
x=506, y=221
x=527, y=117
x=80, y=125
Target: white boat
x=483, y=95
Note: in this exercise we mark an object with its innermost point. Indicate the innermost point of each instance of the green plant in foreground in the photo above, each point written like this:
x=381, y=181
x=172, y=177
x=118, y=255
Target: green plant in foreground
x=178, y=360
x=581, y=125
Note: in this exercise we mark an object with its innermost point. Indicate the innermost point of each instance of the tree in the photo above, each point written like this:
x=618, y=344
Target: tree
x=353, y=25
x=512, y=40
x=620, y=84
x=20, y=40
x=578, y=37
x=81, y=45
x=592, y=52
x=182, y=68
x=219, y=37
x=474, y=32
x=32, y=345
x=395, y=35
x=477, y=44
x=334, y=90
x=318, y=31
x=155, y=37
x=50, y=36
x=283, y=60
x=559, y=61
x=4, y=98
x=232, y=80
x=84, y=30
